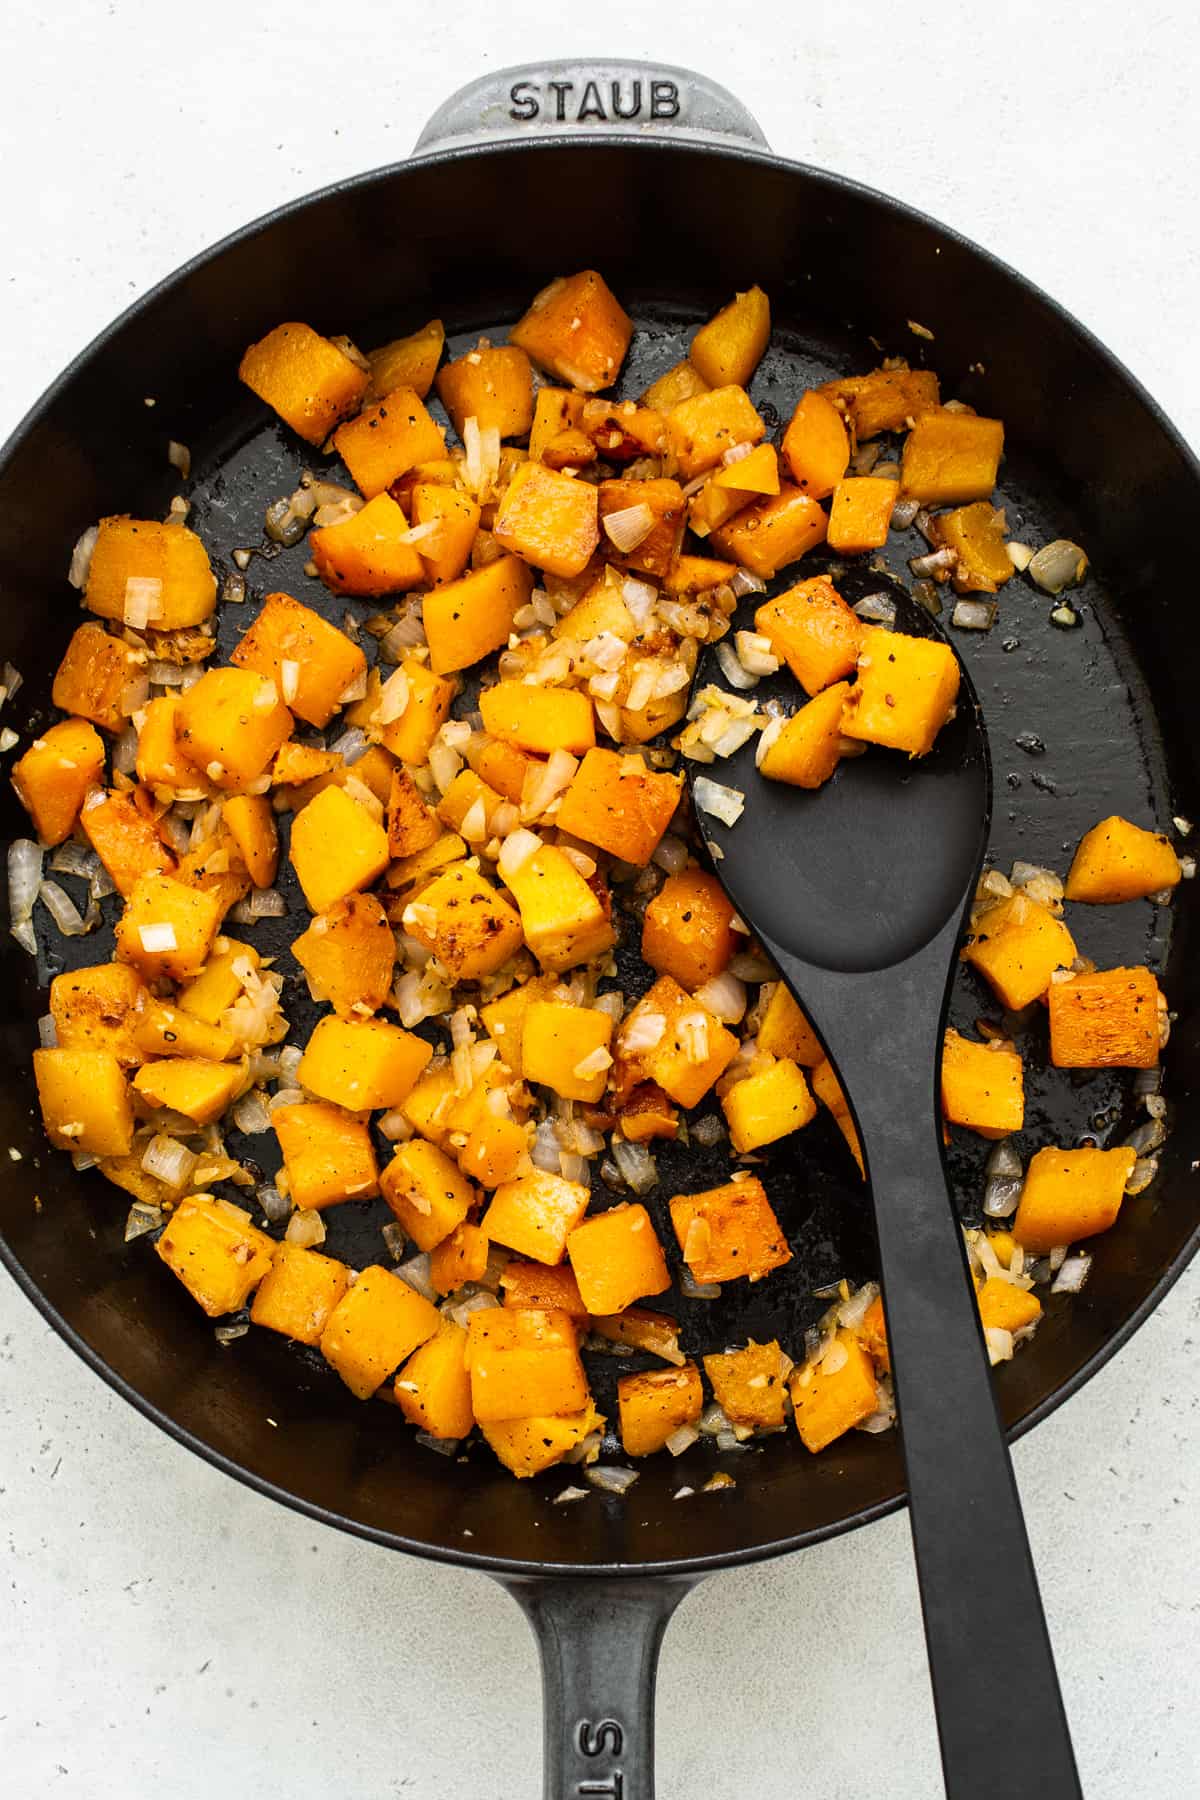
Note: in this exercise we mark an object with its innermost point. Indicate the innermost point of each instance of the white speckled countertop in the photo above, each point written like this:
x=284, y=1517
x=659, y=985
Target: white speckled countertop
x=166, y=1632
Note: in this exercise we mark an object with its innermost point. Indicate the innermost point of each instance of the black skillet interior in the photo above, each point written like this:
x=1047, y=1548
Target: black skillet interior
x=675, y=229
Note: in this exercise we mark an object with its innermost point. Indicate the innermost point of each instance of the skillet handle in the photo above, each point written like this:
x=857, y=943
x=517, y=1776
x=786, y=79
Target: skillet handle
x=599, y=1643
x=593, y=98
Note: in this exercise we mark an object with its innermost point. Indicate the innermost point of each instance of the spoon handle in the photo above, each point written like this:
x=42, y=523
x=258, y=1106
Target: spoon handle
x=989, y=1650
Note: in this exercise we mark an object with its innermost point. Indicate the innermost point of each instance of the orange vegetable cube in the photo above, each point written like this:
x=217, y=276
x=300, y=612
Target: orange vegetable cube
x=528, y=1446
x=539, y=719
x=495, y=1151
x=688, y=929
x=374, y=1327
x=730, y=347
x=466, y=620
x=298, y=1293
x=620, y=805
x=1006, y=1307
x=469, y=799
x=697, y=575
x=861, y=513
x=767, y=1106
x=336, y=848
x=327, y=1154
x=977, y=536
x=96, y=1009
x=466, y=922
x=368, y=553
x=348, y=954
x=161, y=1030
x=657, y=549
x=500, y=764
x=303, y=377
x=93, y=677
x=413, y=874
x=1107, y=1019
x=905, y=691
x=621, y=430
x=555, y=411
x=310, y=661
x=549, y=519
x=784, y=1030
x=362, y=1064
x=412, y=825
x=250, y=822
x=834, y=1395
x=655, y=1405
x=755, y=473
x=774, y=532
x=1071, y=1194
x=646, y=1113
x=504, y=1019
x=493, y=385
x=84, y=1100
x=433, y=1388
x=425, y=1190
x=951, y=457
x=410, y=737
x=55, y=774
x=125, y=839
x=199, y=1090
x=670, y=1039
x=578, y=330
x=216, y=1252
x=748, y=1385
x=220, y=982
x=681, y=382
x=408, y=361
x=459, y=1258
x=617, y=1259
x=558, y=1041
x=700, y=430
x=161, y=765
x=1017, y=945
x=535, y=1214
x=828, y=1090
x=655, y=1332
x=447, y=551
x=983, y=1086
x=230, y=724
x=884, y=400
x=387, y=438
x=815, y=446
x=562, y=920
x=147, y=573
x=808, y=747
x=167, y=928
x=729, y=1231
x=554, y=1289
x=1118, y=861
x=523, y=1362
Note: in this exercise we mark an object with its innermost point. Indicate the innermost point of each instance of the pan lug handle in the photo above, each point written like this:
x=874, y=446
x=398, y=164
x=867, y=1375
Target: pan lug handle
x=594, y=99
x=599, y=1641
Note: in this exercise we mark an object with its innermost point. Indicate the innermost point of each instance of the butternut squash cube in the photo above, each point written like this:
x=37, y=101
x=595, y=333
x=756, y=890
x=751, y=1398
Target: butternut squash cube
x=430, y=1101
x=496, y=1150
x=749, y=1385
x=977, y=536
x=655, y=1332
x=162, y=1030
x=55, y=774
x=523, y=1361
x=408, y=361
x=729, y=1232
x=447, y=551
x=672, y=1040
x=298, y=1293
x=466, y=922
x=1017, y=945
x=199, y=1090
x=617, y=1259
x=167, y=928
x=213, y=991
x=535, y=1214
x=501, y=765
x=656, y=551
x=433, y=1389
x=688, y=929
x=296, y=765
x=808, y=749
x=459, y=1258
x=250, y=822
x=410, y=737
x=774, y=532
x=375, y=1326
x=469, y=798
x=555, y=411
x=466, y=620
x=1005, y=1307
x=884, y=400
x=1118, y=861
x=861, y=513
x=539, y=719
x=558, y=1041
x=562, y=920
x=1107, y=1019
x=124, y=837
x=493, y=385
x=310, y=661
x=618, y=804
x=730, y=347
x=815, y=446
x=336, y=848
x=143, y=572
x=368, y=553
x=96, y=1009
x=85, y=1101
x=698, y=575
x=216, y=1252
x=828, y=1090
x=951, y=457
x=161, y=765
x=230, y=724
x=905, y=691
x=767, y=1106
x=714, y=506
x=426, y=1192
x=701, y=429
x=1071, y=1194
x=549, y=519
x=554, y=1289
x=387, y=438
x=983, y=1086
x=411, y=875
x=504, y=1019
x=348, y=954
x=577, y=329
x=646, y=1113
x=528, y=1446
x=362, y=1064
x=93, y=676
x=755, y=473
x=653, y=1406
x=303, y=377
x=784, y=1030
x=327, y=1154
x=412, y=826
x=832, y=1396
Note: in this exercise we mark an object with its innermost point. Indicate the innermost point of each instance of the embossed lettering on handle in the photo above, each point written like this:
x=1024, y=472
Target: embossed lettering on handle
x=618, y=100
x=604, y=1739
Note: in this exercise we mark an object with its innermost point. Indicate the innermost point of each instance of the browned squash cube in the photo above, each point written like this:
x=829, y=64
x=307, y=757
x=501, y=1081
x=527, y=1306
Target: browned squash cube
x=654, y=1406
x=216, y=1252
x=828, y=1089
x=55, y=774
x=578, y=330
x=951, y=457
x=554, y=1289
x=977, y=535
x=815, y=446
x=784, y=1030
x=767, y=1106
x=674, y=1041
x=523, y=1362
x=1005, y=1307
x=433, y=1389
x=410, y=737
x=368, y=553
x=729, y=1231
x=565, y=1048
x=1108, y=1019
x=96, y=1009
x=702, y=429
x=310, y=661
x=374, y=1327
x=549, y=519
x=642, y=523
x=618, y=804
x=832, y=1396
x=250, y=822
x=230, y=724
x=808, y=747
x=455, y=518
x=85, y=1101
x=199, y=1090
x=143, y=573
x=861, y=513
x=774, y=532
x=884, y=400
x=539, y=719
x=905, y=691
x=298, y=1293
x=1017, y=945
x=730, y=347
x=1071, y=1194
x=528, y=1446
x=466, y=620
x=408, y=361
x=362, y=1064
x=336, y=848
x=688, y=928
x=459, y=1258
x=412, y=826
x=493, y=385
x=387, y=438
x=426, y=1192
x=749, y=1385
x=348, y=954
x=303, y=377
x=1117, y=861
x=617, y=1259
x=983, y=1086
x=162, y=1030
x=327, y=1154
x=535, y=1214
x=125, y=838
x=167, y=928
x=467, y=924
x=93, y=677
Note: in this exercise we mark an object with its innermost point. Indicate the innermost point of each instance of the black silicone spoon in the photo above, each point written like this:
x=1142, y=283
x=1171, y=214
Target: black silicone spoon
x=859, y=890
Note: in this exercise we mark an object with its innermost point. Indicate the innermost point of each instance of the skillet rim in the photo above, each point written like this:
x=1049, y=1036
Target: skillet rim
x=516, y=1567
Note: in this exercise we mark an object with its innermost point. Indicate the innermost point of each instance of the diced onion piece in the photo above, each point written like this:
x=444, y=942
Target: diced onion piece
x=155, y=939
x=289, y=680
x=999, y=1344
x=746, y=582
x=568, y=1494
x=611, y=1481
x=47, y=1032
x=1058, y=565
x=755, y=653
x=691, y=1289
x=351, y=745
x=629, y=526
x=877, y=609
x=639, y=597
x=516, y=851
x=81, y=557
x=169, y=1161
x=636, y=1164
x=393, y=698
x=733, y=670
x=416, y=1273
x=142, y=601
x=642, y=1032
x=24, y=880
x=262, y=903
x=594, y=1063
x=141, y=1218
x=724, y=803
x=725, y=997
x=65, y=913
x=250, y=1114
x=974, y=615
x=306, y=1228
x=1072, y=1274
x=682, y=1439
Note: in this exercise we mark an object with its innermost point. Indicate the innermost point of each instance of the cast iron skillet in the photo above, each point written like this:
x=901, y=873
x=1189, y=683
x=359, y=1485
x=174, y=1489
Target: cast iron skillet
x=516, y=180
